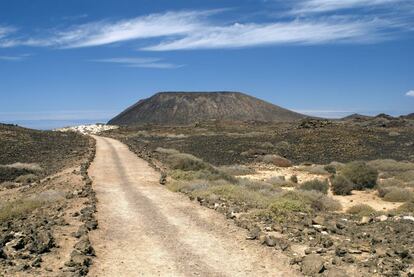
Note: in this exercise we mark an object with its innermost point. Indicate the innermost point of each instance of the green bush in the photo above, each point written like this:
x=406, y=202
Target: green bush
x=361, y=210
x=281, y=209
x=362, y=175
x=317, y=185
x=341, y=185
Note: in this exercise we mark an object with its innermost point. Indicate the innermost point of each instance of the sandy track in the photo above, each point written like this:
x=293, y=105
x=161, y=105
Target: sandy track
x=146, y=230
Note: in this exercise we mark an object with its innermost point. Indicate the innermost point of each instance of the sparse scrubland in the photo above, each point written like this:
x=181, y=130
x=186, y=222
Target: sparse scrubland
x=314, y=163
x=43, y=183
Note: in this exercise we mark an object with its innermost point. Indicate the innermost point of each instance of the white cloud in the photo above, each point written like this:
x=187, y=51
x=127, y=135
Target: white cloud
x=294, y=32
x=179, y=30
x=140, y=62
x=316, y=6
x=107, y=32
x=410, y=93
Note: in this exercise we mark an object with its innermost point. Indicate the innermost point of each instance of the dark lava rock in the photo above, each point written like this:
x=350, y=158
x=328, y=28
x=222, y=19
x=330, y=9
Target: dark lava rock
x=84, y=246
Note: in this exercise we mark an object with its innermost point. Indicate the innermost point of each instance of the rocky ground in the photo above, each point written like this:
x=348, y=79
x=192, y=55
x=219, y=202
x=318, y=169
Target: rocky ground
x=320, y=242
x=313, y=141
x=45, y=219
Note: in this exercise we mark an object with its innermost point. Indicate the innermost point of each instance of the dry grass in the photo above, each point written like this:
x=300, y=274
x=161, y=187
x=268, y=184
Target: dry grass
x=313, y=169
x=236, y=170
x=26, y=166
x=361, y=210
x=18, y=208
x=167, y=151
x=27, y=179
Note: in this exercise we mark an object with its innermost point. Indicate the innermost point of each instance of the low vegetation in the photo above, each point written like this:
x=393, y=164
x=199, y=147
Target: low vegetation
x=18, y=208
x=361, y=210
x=316, y=185
x=341, y=185
x=362, y=175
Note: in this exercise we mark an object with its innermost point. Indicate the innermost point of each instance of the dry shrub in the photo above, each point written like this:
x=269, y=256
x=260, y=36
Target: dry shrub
x=8, y=185
x=27, y=179
x=187, y=162
x=362, y=175
x=391, y=165
x=294, y=179
x=267, y=145
x=276, y=160
x=317, y=185
x=313, y=169
x=282, y=208
x=393, y=194
x=341, y=185
x=314, y=199
x=407, y=176
x=330, y=169
x=240, y=195
x=361, y=210
x=167, y=151
x=407, y=207
x=237, y=170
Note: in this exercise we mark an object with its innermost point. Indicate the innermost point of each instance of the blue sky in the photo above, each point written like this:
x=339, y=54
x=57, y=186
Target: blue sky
x=66, y=62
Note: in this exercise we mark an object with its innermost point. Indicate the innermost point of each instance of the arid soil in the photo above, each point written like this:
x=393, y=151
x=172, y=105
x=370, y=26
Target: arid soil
x=322, y=242
x=146, y=230
x=44, y=220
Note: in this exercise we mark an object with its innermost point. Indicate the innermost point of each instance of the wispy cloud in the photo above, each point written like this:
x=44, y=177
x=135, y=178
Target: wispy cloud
x=183, y=30
x=106, y=32
x=139, y=62
x=317, y=6
x=410, y=93
x=15, y=58
x=294, y=32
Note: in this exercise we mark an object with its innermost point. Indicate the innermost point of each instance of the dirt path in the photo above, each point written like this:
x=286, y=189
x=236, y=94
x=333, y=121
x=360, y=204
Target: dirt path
x=146, y=230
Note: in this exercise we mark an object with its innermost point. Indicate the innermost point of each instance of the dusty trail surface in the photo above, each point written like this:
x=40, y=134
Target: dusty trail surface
x=146, y=230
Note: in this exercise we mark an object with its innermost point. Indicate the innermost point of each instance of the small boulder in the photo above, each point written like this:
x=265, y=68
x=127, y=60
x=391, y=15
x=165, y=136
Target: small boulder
x=312, y=265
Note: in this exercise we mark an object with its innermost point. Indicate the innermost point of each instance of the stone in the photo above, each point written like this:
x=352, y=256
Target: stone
x=270, y=241
x=84, y=246
x=318, y=220
x=312, y=265
x=254, y=233
x=381, y=218
x=365, y=220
